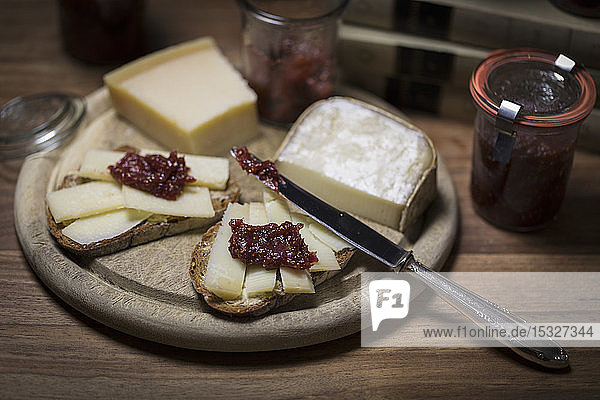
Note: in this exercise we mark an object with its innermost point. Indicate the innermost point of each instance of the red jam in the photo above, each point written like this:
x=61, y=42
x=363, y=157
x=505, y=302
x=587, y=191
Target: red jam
x=161, y=176
x=266, y=171
x=290, y=78
x=272, y=245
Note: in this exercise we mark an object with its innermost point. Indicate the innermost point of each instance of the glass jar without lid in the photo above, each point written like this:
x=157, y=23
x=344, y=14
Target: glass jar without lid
x=289, y=53
x=530, y=105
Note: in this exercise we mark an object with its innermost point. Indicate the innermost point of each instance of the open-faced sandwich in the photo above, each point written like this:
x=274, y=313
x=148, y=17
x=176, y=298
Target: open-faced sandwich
x=261, y=255
x=120, y=199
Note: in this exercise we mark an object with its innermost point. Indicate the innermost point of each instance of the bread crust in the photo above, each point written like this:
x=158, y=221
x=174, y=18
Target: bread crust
x=247, y=307
x=146, y=231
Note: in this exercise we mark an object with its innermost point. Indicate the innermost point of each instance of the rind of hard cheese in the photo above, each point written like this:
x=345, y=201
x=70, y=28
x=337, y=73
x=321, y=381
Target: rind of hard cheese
x=188, y=97
x=361, y=159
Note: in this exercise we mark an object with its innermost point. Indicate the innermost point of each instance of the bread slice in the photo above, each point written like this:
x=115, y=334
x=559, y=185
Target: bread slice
x=149, y=230
x=247, y=306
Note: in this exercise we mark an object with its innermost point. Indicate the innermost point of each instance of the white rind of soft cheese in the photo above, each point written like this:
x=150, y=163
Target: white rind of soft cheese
x=104, y=226
x=357, y=159
x=193, y=202
x=258, y=279
x=84, y=200
x=211, y=172
x=224, y=274
x=188, y=97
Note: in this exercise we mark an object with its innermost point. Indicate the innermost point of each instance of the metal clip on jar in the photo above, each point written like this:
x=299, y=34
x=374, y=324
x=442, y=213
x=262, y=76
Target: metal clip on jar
x=530, y=105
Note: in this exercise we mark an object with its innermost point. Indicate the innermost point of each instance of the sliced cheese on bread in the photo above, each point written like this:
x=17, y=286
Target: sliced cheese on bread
x=361, y=159
x=293, y=280
x=84, y=200
x=277, y=210
x=104, y=226
x=296, y=280
x=225, y=275
x=193, y=202
x=95, y=164
x=211, y=172
x=247, y=305
x=327, y=260
x=258, y=279
x=323, y=234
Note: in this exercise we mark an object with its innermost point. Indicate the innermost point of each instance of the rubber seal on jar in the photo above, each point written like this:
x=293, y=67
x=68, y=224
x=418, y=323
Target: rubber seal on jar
x=505, y=125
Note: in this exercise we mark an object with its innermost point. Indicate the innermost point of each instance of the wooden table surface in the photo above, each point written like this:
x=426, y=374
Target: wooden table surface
x=48, y=349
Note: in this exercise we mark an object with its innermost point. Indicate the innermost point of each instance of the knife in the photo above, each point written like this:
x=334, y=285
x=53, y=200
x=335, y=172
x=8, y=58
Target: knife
x=483, y=312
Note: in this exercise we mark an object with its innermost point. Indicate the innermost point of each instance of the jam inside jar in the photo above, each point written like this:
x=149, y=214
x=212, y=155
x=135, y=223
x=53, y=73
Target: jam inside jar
x=289, y=53
x=524, y=190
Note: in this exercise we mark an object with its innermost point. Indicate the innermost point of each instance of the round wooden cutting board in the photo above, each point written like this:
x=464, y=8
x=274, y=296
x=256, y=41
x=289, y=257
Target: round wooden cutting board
x=145, y=291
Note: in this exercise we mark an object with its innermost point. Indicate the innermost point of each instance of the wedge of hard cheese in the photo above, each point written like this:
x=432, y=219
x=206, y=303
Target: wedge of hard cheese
x=361, y=159
x=188, y=97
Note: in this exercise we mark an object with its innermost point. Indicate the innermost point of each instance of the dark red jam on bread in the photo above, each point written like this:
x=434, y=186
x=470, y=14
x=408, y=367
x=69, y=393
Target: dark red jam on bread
x=272, y=245
x=163, y=177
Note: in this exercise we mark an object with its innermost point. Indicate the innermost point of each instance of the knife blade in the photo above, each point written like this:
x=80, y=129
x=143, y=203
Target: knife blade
x=544, y=352
x=345, y=225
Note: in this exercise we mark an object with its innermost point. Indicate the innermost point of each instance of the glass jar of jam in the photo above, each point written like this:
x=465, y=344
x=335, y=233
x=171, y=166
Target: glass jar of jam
x=102, y=31
x=530, y=105
x=289, y=53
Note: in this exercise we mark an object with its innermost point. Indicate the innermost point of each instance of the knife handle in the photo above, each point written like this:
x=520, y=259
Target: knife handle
x=483, y=312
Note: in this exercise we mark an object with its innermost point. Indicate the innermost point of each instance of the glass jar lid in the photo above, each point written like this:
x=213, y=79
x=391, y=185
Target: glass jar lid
x=38, y=122
x=549, y=91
